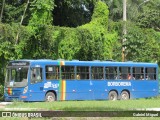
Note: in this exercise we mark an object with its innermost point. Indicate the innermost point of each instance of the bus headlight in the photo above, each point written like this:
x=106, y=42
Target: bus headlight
x=25, y=90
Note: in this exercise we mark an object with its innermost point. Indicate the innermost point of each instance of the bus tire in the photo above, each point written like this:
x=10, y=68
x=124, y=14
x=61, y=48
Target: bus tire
x=50, y=97
x=124, y=95
x=112, y=95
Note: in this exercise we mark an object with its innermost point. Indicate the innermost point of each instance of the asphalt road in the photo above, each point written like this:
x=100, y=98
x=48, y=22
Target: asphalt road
x=3, y=104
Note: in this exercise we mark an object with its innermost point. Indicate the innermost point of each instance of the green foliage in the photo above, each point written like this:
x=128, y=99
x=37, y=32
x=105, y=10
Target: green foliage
x=1, y=92
x=13, y=11
x=141, y=43
x=7, y=46
x=7, y=35
x=116, y=8
x=88, y=42
x=22, y=50
x=35, y=44
x=149, y=14
x=100, y=15
x=41, y=12
x=101, y=41
x=72, y=13
x=150, y=19
x=69, y=44
x=37, y=41
x=117, y=44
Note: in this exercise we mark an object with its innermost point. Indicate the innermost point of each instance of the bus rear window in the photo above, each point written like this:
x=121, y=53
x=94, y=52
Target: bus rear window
x=150, y=73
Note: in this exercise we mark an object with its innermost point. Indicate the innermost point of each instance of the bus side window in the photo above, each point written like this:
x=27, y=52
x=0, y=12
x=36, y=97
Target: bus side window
x=111, y=73
x=138, y=73
x=68, y=72
x=125, y=73
x=97, y=73
x=36, y=75
x=52, y=72
x=82, y=72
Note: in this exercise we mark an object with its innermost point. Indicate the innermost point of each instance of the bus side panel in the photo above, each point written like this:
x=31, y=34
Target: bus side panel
x=36, y=92
x=144, y=88
x=71, y=90
x=119, y=86
x=99, y=89
x=84, y=90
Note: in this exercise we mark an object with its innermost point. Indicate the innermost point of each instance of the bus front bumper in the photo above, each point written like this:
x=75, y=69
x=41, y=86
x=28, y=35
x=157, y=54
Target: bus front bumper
x=15, y=98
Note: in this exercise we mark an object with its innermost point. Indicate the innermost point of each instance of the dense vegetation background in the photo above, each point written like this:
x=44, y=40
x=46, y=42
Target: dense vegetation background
x=78, y=29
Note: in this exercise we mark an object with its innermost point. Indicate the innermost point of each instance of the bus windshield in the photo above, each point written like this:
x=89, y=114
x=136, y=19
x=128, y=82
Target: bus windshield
x=16, y=77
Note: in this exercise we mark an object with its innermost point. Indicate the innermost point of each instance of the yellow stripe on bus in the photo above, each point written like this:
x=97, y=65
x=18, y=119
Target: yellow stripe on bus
x=10, y=91
x=63, y=97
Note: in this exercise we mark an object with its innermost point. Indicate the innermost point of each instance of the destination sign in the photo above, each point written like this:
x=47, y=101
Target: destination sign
x=119, y=83
x=18, y=63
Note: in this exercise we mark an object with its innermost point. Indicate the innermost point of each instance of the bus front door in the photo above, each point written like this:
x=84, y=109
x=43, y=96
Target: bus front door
x=36, y=85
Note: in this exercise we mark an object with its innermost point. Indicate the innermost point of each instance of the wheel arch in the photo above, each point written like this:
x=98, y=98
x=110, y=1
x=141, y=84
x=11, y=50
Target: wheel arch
x=126, y=91
x=114, y=90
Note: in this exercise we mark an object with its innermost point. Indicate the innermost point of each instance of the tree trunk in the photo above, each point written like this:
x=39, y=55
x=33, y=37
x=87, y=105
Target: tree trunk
x=22, y=21
x=2, y=10
x=124, y=27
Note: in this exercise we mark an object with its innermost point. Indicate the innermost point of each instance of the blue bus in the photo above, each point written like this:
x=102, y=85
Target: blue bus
x=51, y=80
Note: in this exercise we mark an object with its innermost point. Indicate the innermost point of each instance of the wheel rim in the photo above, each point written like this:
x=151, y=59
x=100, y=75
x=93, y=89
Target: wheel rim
x=124, y=96
x=50, y=98
x=113, y=97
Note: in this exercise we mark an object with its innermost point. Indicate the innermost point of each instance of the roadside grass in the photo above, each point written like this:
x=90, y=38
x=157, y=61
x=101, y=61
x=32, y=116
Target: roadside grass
x=118, y=105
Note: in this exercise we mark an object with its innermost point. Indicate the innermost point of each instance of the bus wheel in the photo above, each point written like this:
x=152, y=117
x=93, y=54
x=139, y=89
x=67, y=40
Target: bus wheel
x=113, y=95
x=50, y=97
x=124, y=95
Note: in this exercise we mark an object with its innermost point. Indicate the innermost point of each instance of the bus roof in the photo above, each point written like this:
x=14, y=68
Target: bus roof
x=87, y=63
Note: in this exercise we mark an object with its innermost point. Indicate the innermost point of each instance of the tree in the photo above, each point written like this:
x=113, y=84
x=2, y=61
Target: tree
x=71, y=13
x=115, y=8
x=13, y=11
x=1, y=15
x=87, y=42
x=142, y=44
x=24, y=12
x=39, y=29
x=150, y=15
x=100, y=42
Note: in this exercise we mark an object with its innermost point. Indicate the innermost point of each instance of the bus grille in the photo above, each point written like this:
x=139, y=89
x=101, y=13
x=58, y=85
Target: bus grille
x=12, y=92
